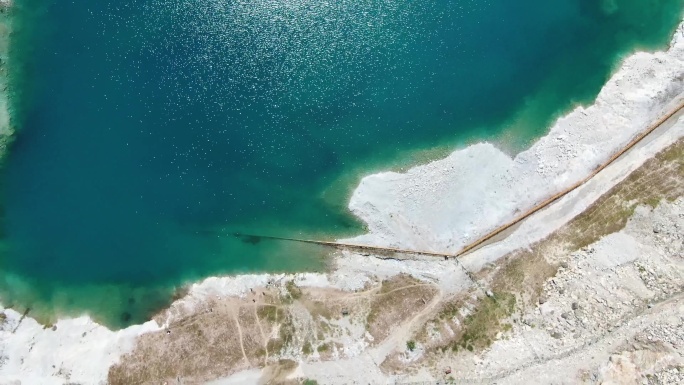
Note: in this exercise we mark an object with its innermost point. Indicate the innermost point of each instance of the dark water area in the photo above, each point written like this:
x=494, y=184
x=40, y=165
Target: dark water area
x=150, y=131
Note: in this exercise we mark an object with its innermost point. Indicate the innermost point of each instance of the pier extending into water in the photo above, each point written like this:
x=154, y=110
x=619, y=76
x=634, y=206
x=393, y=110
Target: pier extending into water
x=489, y=236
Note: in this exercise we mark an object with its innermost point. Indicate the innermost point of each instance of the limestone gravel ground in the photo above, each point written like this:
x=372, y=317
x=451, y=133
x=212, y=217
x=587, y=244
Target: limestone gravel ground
x=614, y=313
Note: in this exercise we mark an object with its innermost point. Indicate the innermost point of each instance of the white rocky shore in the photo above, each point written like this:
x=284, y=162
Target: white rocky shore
x=439, y=206
x=449, y=203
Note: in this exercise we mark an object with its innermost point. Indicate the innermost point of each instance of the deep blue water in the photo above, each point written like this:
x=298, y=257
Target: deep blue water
x=152, y=130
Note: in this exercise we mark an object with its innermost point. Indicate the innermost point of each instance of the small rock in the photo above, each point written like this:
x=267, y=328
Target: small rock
x=575, y=306
x=565, y=315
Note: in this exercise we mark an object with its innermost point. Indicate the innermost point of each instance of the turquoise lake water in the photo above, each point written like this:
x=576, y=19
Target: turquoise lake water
x=150, y=131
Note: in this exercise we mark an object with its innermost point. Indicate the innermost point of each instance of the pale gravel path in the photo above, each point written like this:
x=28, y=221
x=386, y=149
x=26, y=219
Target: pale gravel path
x=239, y=329
x=404, y=332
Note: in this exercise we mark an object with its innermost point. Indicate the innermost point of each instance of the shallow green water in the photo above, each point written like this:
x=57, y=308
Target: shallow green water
x=151, y=131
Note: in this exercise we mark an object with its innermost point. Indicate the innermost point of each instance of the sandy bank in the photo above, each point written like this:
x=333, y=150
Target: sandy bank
x=439, y=206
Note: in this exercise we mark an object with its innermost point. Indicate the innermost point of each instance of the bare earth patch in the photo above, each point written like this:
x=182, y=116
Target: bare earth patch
x=399, y=298
x=268, y=329
x=198, y=348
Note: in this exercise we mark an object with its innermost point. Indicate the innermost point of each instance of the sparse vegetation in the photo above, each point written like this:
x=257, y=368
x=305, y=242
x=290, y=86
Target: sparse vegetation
x=397, y=282
x=319, y=309
x=286, y=336
x=306, y=348
x=309, y=382
x=278, y=372
x=399, y=298
x=411, y=345
x=480, y=327
x=472, y=323
x=524, y=273
x=286, y=364
x=275, y=345
x=269, y=313
x=450, y=309
x=323, y=348
x=195, y=350
x=661, y=177
x=293, y=291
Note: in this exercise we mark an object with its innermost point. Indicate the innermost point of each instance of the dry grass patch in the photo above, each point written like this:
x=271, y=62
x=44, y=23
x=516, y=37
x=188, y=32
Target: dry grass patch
x=278, y=372
x=398, y=282
x=659, y=178
x=523, y=273
x=326, y=304
x=252, y=341
x=468, y=323
x=207, y=345
x=270, y=313
x=399, y=298
x=321, y=310
x=285, y=336
x=486, y=320
x=472, y=321
x=198, y=349
x=293, y=293
x=327, y=350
